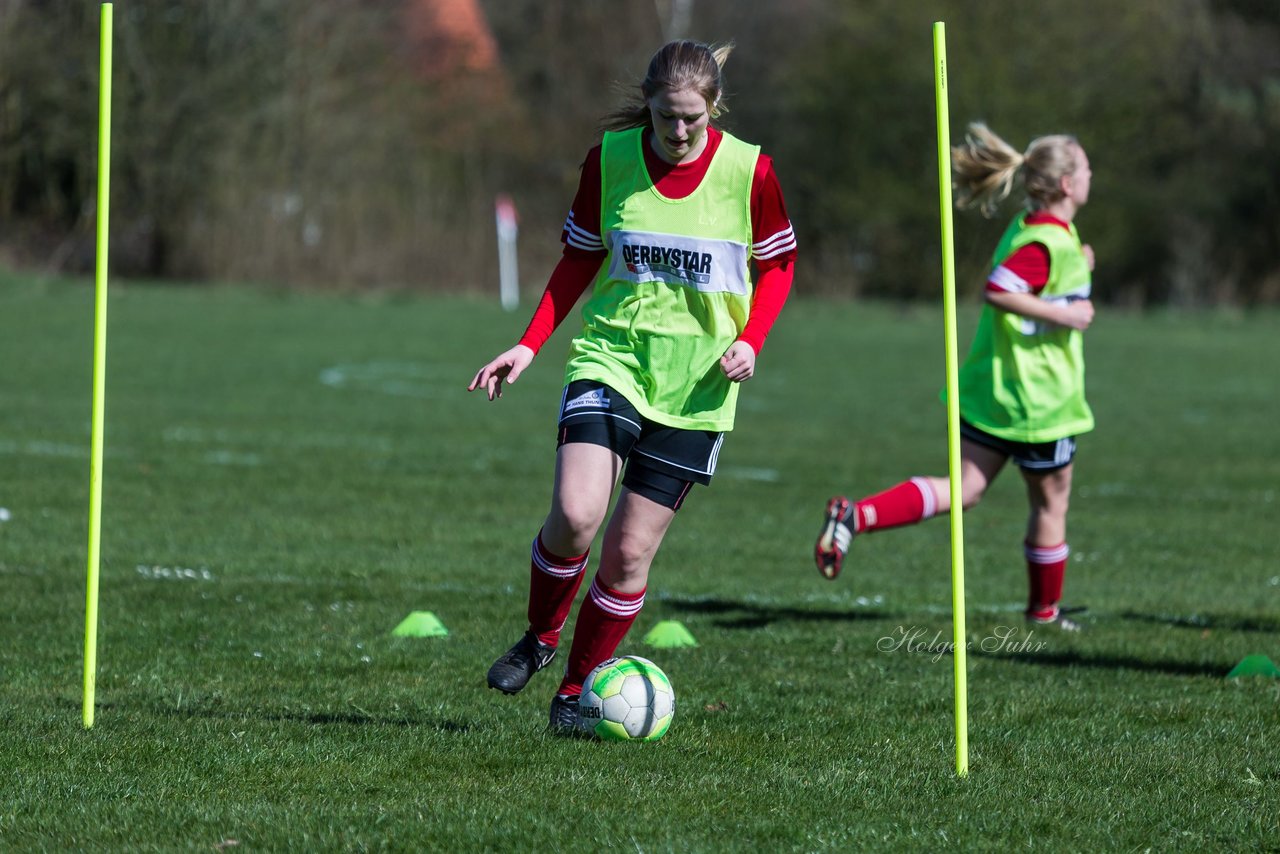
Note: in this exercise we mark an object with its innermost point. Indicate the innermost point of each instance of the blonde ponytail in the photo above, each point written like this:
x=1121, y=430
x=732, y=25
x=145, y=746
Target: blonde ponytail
x=986, y=169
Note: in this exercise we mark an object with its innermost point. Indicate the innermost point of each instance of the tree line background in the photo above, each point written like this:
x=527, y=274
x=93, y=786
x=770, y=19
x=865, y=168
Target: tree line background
x=344, y=144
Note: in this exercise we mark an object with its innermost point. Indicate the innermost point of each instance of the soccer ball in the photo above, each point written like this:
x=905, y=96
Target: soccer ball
x=627, y=699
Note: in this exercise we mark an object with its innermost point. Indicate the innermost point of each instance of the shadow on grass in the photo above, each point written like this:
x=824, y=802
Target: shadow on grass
x=745, y=615
x=1105, y=661
x=311, y=718
x=1207, y=621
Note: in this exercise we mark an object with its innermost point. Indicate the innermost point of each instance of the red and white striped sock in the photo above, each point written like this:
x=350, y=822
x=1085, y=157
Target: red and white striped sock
x=603, y=619
x=907, y=503
x=553, y=582
x=1046, y=566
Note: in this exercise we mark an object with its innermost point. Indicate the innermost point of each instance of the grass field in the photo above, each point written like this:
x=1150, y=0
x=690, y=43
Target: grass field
x=288, y=477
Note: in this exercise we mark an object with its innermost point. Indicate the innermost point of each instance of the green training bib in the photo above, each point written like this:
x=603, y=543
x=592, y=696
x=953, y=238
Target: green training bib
x=675, y=288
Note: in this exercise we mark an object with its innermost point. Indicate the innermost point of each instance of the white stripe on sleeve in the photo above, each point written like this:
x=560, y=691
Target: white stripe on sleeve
x=580, y=238
x=771, y=247
x=1004, y=279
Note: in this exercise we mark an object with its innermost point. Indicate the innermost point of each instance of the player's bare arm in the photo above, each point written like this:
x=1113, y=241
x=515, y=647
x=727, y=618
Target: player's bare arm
x=1076, y=315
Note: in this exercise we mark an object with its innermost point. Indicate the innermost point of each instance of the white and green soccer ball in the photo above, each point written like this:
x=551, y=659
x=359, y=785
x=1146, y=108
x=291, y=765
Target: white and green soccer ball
x=627, y=699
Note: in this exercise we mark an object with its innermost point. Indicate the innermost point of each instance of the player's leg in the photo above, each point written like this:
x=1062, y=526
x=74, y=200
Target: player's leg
x=585, y=475
x=1046, y=550
x=661, y=471
x=906, y=503
x=585, y=478
x=616, y=594
x=597, y=428
x=979, y=466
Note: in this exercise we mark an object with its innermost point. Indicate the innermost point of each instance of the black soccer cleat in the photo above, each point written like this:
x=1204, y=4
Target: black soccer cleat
x=516, y=667
x=565, y=719
x=838, y=530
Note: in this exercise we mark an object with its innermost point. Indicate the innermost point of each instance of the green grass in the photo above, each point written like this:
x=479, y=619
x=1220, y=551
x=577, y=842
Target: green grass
x=288, y=477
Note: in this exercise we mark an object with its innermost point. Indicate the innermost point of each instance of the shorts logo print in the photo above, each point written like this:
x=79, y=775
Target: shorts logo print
x=593, y=399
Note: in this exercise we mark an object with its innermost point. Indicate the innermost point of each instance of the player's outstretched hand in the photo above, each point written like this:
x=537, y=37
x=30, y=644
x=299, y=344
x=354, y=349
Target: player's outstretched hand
x=506, y=366
x=738, y=362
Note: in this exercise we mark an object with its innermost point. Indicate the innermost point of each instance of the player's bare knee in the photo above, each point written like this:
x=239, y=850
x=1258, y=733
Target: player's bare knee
x=971, y=494
x=570, y=527
x=633, y=554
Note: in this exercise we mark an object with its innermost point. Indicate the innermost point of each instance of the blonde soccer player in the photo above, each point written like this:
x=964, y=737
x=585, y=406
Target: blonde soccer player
x=1022, y=394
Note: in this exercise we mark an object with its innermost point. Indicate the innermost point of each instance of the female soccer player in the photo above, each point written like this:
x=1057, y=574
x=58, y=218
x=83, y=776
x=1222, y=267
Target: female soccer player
x=668, y=215
x=1022, y=384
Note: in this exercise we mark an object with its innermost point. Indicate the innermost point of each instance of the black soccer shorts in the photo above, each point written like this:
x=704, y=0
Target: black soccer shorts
x=662, y=463
x=1036, y=457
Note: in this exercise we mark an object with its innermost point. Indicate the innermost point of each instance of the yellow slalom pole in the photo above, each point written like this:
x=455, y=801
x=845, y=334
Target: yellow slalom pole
x=953, y=399
x=99, y=365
